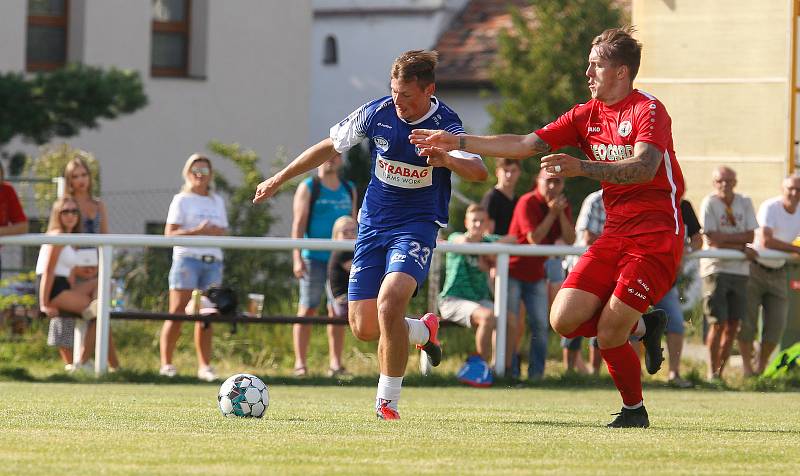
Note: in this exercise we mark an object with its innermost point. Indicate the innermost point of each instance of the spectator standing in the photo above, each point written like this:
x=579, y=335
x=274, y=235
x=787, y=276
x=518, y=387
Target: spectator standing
x=314, y=216
x=779, y=226
x=339, y=264
x=500, y=200
x=94, y=219
x=12, y=218
x=588, y=227
x=729, y=222
x=540, y=218
x=196, y=210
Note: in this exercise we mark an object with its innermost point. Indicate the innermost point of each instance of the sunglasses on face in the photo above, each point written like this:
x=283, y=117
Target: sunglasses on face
x=70, y=211
x=200, y=171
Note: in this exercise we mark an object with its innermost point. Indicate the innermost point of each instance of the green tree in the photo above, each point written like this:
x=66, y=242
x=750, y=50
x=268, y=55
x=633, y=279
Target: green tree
x=539, y=72
x=62, y=102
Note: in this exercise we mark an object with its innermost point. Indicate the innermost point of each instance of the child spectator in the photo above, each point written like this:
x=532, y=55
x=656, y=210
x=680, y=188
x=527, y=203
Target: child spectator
x=339, y=263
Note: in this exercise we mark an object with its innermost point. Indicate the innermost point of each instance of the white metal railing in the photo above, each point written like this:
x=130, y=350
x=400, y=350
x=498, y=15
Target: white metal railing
x=106, y=244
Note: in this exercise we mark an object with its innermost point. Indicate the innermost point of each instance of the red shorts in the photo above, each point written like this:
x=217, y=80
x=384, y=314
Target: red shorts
x=639, y=270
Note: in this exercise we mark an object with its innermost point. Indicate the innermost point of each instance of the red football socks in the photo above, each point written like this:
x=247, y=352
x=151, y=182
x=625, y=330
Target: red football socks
x=626, y=370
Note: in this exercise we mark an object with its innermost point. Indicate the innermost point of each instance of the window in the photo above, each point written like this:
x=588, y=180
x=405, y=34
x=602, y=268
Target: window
x=169, y=55
x=46, y=47
x=330, y=55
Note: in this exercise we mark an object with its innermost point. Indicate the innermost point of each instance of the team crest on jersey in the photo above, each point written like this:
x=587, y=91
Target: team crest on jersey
x=624, y=128
x=381, y=143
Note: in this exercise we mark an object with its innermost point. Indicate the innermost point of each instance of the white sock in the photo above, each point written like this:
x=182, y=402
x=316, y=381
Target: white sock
x=418, y=333
x=640, y=329
x=389, y=389
x=634, y=407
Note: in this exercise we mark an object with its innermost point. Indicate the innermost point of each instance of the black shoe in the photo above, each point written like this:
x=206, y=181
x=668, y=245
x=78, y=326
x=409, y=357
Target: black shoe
x=655, y=322
x=432, y=348
x=630, y=419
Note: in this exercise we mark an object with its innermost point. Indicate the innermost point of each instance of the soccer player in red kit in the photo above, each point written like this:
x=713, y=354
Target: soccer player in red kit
x=627, y=136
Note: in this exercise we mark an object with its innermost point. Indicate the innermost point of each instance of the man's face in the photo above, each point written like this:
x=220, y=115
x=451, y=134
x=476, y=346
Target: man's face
x=507, y=175
x=724, y=182
x=549, y=187
x=332, y=165
x=476, y=223
x=411, y=101
x=603, y=76
x=791, y=191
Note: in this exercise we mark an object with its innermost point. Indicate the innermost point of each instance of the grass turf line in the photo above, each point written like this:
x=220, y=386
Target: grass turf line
x=90, y=428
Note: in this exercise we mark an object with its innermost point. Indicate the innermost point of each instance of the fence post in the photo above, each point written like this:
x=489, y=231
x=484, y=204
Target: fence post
x=106, y=253
x=501, y=312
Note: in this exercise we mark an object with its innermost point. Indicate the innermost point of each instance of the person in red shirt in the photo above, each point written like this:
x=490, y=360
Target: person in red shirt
x=12, y=218
x=540, y=218
x=626, y=135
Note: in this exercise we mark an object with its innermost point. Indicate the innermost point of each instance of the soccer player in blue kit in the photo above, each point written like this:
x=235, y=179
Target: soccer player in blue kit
x=405, y=204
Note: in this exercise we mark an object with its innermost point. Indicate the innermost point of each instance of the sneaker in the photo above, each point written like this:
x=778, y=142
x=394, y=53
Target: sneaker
x=627, y=418
x=432, y=348
x=168, y=370
x=476, y=373
x=68, y=368
x=655, y=322
x=385, y=412
x=206, y=373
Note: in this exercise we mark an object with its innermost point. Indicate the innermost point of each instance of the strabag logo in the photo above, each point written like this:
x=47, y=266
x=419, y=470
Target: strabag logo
x=401, y=174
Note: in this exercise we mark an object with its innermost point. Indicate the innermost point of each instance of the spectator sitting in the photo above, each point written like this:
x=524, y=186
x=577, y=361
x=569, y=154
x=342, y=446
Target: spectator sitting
x=540, y=217
x=55, y=274
x=12, y=219
x=196, y=210
x=779, y=225
x=729, y=222
x=339, y=264
x=313, y=218
x=466, y=297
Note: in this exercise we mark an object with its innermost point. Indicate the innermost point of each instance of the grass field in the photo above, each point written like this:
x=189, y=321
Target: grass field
x=112, y=428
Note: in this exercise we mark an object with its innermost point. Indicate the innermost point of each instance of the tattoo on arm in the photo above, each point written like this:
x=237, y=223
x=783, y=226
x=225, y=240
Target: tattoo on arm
x=639, y=169
x=539, y=146
x=462, y=142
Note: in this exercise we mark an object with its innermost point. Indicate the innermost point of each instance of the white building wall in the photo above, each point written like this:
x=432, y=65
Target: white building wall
x=254, y=91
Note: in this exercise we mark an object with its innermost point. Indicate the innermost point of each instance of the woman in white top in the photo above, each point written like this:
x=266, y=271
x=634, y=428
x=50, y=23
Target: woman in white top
x=196, y=210
x=55, y=275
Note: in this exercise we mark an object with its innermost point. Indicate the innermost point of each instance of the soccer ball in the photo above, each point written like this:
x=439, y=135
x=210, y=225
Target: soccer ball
x=243, y=395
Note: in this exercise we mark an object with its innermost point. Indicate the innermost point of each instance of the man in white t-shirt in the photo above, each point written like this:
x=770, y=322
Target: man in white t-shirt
x=729, y=222
x=779, y=221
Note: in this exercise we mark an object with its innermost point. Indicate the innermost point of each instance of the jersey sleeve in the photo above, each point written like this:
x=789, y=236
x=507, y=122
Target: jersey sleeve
x=562, y=132
x=767, y=218
x=455, y=127
x=353, y=128
x=653, y=124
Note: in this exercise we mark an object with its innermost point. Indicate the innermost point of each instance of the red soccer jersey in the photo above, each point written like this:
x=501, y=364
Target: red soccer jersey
x=608, y=133
x=529, y=212
x=10, y=208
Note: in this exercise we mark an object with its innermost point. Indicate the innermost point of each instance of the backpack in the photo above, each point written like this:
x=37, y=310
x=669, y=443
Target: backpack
x=787, y=362
x=316, y=189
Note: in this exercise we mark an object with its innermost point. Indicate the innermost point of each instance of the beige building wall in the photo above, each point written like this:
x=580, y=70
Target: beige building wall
x=721, y=67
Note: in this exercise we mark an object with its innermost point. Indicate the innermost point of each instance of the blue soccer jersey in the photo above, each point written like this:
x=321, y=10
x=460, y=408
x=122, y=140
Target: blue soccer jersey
x=403, y=188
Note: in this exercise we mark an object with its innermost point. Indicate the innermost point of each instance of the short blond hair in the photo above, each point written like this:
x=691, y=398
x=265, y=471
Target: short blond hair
x=475, y=208
x=416, y=65
x=340, y=224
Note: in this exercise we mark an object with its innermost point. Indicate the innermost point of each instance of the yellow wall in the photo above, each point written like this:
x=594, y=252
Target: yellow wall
x=721, y=67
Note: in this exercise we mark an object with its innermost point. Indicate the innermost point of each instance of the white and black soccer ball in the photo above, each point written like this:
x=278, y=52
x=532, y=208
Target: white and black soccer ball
x=243, y=395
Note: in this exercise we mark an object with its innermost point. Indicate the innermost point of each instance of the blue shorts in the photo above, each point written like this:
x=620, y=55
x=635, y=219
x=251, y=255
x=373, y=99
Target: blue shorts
x=554, y=269
x=312, y=285
x=407, y=249
x=193, y=273
x=671, y=304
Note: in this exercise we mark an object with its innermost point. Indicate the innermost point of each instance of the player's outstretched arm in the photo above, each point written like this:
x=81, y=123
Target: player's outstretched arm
x=312, y=157
x=640, y=168
x=506, y=145
x=469, y=168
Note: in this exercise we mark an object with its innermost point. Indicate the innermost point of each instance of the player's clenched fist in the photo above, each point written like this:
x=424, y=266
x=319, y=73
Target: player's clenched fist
x=266, y=189
x=429, y=137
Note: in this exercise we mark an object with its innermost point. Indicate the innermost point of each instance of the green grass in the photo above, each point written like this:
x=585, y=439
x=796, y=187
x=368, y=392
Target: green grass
x=160, y=428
